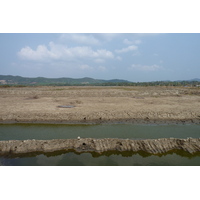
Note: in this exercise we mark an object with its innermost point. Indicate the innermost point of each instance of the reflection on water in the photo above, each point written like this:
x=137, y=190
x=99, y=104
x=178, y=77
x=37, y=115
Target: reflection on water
x=105, y=159
x=71, y=158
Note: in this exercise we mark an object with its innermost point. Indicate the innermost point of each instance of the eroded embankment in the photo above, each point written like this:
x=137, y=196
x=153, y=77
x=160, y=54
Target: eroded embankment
x=152, y=146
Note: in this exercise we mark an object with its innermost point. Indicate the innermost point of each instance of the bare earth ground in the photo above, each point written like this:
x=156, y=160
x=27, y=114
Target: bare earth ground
x=99, y=104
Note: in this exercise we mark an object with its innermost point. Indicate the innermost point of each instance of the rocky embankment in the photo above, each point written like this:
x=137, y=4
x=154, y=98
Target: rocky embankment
x=152, y=146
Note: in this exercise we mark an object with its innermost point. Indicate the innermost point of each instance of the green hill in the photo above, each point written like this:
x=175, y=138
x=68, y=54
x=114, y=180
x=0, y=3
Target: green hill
x=18, y=80
x=23, y=81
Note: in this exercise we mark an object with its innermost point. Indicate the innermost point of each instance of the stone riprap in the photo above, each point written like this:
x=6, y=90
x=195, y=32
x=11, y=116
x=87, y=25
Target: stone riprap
x=152, y=146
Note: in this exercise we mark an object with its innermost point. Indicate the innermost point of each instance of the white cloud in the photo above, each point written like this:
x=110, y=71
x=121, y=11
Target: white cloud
x=62, y=52
x=99, y=60
x=102, y=68
x=129, y=42
x=126, y=41
x=86, y=67
x=146, y=67
x=119, y=58
x=41, y=53
x=137, y=41
x=127, y=49
x=102, y=53
x=81, y=38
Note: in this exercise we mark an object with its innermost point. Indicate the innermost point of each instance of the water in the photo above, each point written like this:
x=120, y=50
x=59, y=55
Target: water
x=44, y=132
x=131, y=131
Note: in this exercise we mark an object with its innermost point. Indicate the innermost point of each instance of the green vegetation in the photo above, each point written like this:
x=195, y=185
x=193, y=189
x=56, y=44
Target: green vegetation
x=18, y=81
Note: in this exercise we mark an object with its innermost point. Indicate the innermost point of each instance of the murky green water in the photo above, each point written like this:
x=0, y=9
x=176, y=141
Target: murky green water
x=44, y=132
x=131, y=131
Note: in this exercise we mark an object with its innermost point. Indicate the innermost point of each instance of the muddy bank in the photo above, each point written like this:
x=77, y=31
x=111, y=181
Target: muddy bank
x=108, y=121
x=152, y=146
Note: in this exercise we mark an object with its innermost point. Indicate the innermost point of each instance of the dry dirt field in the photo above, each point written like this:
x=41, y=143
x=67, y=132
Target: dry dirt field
x=99, y=104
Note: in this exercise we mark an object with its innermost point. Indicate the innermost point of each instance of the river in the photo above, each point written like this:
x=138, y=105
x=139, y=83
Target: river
x=131, y=131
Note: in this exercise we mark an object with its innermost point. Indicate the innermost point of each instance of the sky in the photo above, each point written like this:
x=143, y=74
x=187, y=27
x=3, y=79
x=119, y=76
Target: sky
x=133, y=56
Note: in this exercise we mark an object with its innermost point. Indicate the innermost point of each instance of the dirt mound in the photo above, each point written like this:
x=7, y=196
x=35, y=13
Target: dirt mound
x=152, y=146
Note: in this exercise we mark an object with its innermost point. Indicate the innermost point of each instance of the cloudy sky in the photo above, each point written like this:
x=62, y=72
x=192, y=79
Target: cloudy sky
x=134, y=57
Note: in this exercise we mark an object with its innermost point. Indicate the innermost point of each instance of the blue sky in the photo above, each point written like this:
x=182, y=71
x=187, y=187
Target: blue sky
x=132, y=56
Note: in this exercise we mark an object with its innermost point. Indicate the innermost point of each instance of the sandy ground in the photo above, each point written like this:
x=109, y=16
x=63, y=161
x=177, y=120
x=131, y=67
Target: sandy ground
x=100, y=104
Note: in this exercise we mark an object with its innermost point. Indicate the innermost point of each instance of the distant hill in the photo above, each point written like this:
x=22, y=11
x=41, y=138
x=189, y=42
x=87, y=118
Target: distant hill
x=191, y=80
x=195, y=79
x=23, y=81
x=18, y=80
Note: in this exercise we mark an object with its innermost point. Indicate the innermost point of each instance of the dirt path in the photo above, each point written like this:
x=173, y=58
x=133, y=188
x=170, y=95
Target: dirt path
x=99, y=104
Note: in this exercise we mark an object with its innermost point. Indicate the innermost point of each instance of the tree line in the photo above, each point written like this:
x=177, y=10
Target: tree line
x=144, y=84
